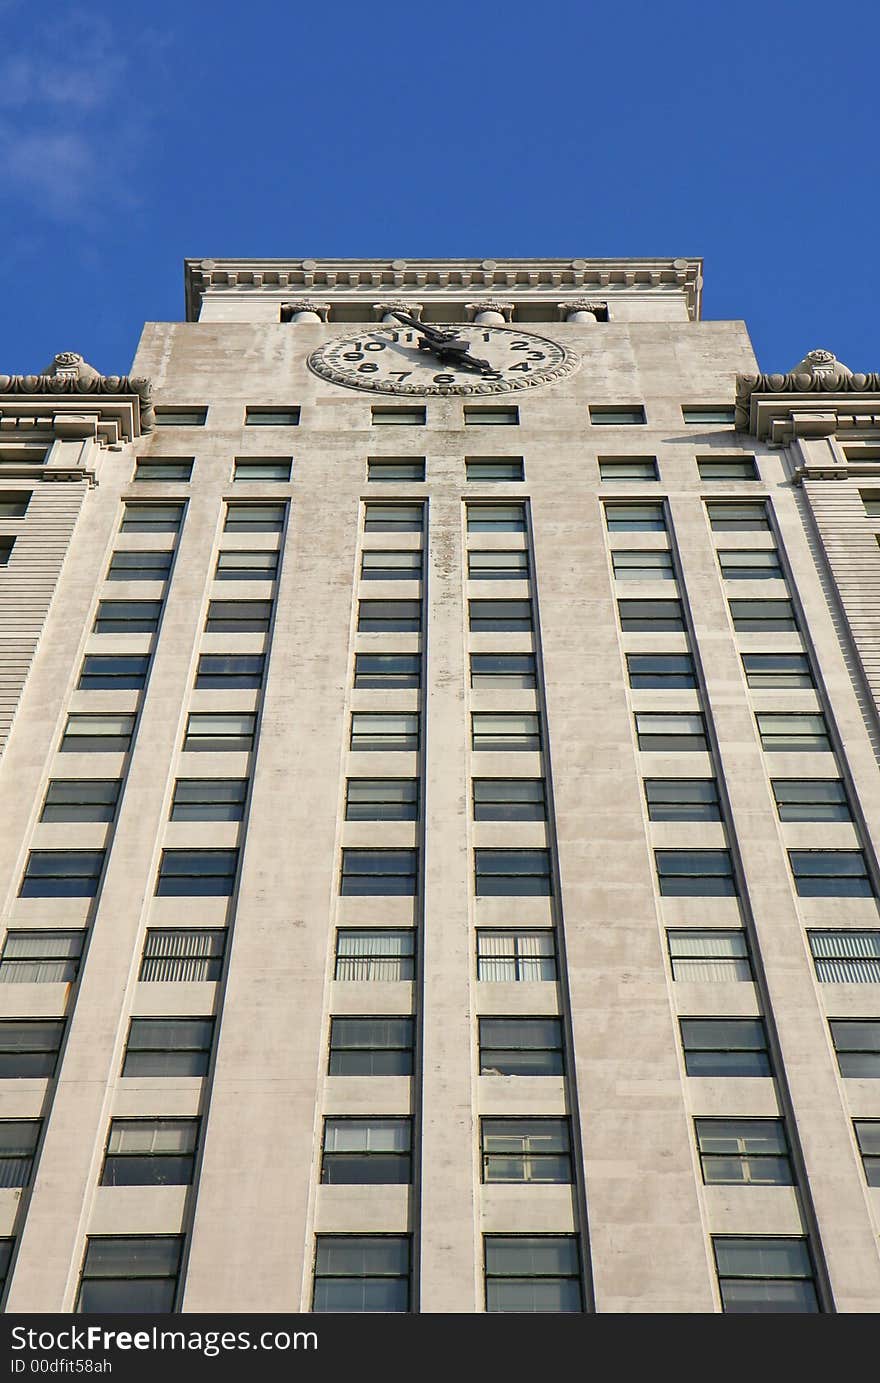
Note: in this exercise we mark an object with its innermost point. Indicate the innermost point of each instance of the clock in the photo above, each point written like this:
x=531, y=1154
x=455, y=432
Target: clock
x=420, y=358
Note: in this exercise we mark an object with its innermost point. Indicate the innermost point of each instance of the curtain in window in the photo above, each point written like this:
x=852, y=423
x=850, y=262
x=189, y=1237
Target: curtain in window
x=183, y=955
x=846, y=957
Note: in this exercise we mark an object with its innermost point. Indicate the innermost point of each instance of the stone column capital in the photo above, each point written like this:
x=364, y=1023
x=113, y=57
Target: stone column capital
x=382, y=311
x=305, y=310
x=583, y=310
x=490, y=311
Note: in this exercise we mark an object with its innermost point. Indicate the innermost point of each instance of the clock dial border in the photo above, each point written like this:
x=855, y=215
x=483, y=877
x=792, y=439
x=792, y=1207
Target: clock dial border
x=479, y=387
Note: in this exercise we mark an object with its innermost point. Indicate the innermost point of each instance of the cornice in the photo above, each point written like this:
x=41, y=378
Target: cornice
x=818, y=398
x=70, y=398
x=521, y=279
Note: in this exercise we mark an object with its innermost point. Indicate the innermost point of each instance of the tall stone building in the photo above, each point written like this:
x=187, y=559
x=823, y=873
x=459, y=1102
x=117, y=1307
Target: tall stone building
x=439, y=804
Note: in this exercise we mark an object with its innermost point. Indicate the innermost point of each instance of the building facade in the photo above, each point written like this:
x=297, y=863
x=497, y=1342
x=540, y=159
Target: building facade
x=440, y=805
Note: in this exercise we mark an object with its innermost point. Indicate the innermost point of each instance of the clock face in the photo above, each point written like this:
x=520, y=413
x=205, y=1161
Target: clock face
x=389, y=360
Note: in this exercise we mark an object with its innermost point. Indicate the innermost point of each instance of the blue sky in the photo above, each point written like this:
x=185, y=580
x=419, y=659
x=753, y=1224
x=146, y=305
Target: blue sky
x=131, y=137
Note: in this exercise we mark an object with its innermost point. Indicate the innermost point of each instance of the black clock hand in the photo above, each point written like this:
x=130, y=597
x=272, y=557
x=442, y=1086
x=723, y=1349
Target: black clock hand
x=446, y=346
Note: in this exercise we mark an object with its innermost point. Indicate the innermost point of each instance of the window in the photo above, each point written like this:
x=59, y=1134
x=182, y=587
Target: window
x=845, y=957
x=14, y=503
x=521, y=1047
x=140, y=566
x=181, y=417
x=498, y=566
x=389, y=616
x=360, y=1272
x=725, y=1047
x=150, y=1152
x=857, y=1044
x=695, y=873
x=382, y=799
x=738, y=518
x=129, y=1275
x=650, y=616
x=41, y=957
x=500, y=616
x=682, y=799
x=159, y=468
x=271, y=417
x=496, y=518
x=494, y=468
x=509, y=799
x=371, y=1046
x=376, y=671
x=508, y=957
x=511, y=670
x=209, y=799
x=29, y=1047
x=184, y=954
x=727, y=468
x=168, y=1047
x=391, y=566
x=871, y=501
x=379, y=872
x=246, y=566
x=6, y=546
x=151, y=518
x=811, y=799
x=777, y=670
x=396, y=468
x=394, y=518
x=210, y=733
x=628, y=468
x=716, y=414
x=81, y=799
x=196, y=873
x=490, y=417
x=398, y=417
x=6, y=1246
x=127, y=617
x=830, y=874
x=238, y=616
x=625, y=517
x=744, y=1152
x=535, y=1273
x=761, y=1275
x=62, y=874
x=642, y=565
x=261, y=468
x=526, y=1150
x=782, y=733
x=371, y=955
x=385, y=730
x=711, y=955
x=121, y=673
x=18, y=1145
x=867, y=1133
x=750, y=564
x=505, y=730
x=237, y=670
x=661, y=670
x=97, y=734
x=670, y=732
x=619, y=416
x=762, y=616
x=516, y=873
x=367, y=1152
x=243, y=517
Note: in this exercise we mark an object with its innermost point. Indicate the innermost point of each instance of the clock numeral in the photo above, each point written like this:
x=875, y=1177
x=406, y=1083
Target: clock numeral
x=399, y=374
x=486, y=336
x=374, y=346
x=353, y=355
x=444, y=379
x=402, y=336
x=520, y=345
x=536, y=355
x=367, y=369
x=521, y=366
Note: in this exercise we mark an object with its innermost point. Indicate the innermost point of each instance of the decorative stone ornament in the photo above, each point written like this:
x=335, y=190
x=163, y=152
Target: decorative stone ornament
x=490, y=312
x=70, y=374
x=583, y=310
x=305, y=310
x=383, y=311
x=820, y=372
